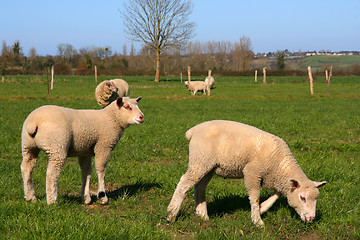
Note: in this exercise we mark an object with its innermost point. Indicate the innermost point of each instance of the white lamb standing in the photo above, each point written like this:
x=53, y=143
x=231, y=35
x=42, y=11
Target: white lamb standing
x=235, y=150
x=109, y=90
x=209, y=83
x=63, y=132
x=194, y=86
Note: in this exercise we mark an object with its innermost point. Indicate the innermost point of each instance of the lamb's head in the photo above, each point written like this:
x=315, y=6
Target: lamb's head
x=111, y=87
x=303, y=197
x=129, y=111
x=187, y=85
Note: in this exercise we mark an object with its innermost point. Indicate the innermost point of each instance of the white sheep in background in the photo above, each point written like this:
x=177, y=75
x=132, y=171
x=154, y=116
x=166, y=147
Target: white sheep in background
x=235, y=150
x=194, y=86
x=209, y=83
x=109, y=90
x=63, y=132
x=123, y=87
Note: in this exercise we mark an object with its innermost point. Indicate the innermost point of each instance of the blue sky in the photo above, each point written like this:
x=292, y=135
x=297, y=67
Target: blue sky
x=270, y=24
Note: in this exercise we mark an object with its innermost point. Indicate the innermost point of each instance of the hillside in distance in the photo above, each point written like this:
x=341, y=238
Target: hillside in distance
x=317, y=62
x=320, y=62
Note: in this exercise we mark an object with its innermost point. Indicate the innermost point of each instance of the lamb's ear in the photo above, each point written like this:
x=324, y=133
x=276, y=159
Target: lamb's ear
x=108, y=84
x=294, y=184
x=119, y=102
x=319, y=184
x=138, y=99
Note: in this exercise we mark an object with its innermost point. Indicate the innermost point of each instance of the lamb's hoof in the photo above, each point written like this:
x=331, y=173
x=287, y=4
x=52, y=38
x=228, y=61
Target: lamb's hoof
x=171, y=218
x=31, y=199
x=103, y=198
x=203, y=216
x=259, y=224
x=87, y=200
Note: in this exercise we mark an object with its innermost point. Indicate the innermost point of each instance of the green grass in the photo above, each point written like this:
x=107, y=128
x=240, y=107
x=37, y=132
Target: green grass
x=323, y=132
x=319, y=61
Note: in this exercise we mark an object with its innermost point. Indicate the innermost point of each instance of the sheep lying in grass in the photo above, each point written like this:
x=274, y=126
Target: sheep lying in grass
x=235, y=150
x=63, y=132
x=194, y=86
x=209, y=83
x=109, y=90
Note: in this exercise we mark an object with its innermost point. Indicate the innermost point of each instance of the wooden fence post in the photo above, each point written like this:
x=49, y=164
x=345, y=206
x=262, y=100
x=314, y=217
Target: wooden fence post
x=264, y=71
x=327, y=76
x=52, y=77
x=47, y=80
x=95, y=68
x=189, y=73
x=255, y=75
x=209, y=73
x=330, y=74
x=181, y=76
x=311, y=81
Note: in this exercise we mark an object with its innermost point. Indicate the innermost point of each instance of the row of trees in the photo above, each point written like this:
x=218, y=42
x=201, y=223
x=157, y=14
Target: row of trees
x=221, y=56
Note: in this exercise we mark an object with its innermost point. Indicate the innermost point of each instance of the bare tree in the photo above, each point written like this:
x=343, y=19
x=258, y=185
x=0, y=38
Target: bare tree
x=3, y=58
x=132, y=50
x=66, y=51
x=243, y=54
x=4, y=49
x=159, y=24
x=124, y=50
x=32, y=53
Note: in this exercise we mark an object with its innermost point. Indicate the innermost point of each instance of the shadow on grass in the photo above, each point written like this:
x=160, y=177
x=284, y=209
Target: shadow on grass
x=123, y=192
x=223, y=205
x=132, y=189
x=185, y=78
x=229, y=204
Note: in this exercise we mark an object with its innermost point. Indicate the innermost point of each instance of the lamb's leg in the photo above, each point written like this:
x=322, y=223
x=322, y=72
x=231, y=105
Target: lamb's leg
x=27, y=166
x=101, y=160
x=187, y=181
x=252, y=184
x=85, y=165
x=56, y=163
x=200, y=195
x=264, y=206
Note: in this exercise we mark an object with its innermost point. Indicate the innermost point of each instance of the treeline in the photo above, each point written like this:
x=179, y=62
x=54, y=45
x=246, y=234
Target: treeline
x=218, y=56
x=224, y=58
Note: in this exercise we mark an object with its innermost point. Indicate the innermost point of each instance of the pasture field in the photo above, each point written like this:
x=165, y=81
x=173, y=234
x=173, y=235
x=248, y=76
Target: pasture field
x=322, y=131
x=317, y=62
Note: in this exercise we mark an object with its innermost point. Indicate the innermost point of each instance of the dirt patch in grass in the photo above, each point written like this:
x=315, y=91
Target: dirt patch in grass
x=311, y=236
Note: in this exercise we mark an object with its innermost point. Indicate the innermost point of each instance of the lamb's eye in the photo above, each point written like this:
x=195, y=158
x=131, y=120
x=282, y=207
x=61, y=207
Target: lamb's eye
x=127, y=107
x=303, y=199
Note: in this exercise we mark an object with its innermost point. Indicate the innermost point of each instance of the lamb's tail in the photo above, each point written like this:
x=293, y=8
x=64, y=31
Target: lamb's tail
x=189, y=133
x=31, y=127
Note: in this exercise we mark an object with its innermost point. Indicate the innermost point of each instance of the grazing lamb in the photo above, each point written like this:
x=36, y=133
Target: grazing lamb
x=123, y=87
x=209, y=83
x=235, y=150
x=63, y=132
x=109, y=90
x=195, y=86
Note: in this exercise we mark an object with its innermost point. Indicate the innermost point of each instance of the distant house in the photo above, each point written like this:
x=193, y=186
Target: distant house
x=299, y=54
x=311, y=53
